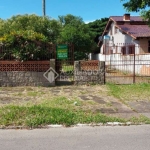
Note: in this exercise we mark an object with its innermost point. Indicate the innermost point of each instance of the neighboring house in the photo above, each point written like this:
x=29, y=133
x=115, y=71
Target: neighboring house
x=125, y=45
x=124, y=34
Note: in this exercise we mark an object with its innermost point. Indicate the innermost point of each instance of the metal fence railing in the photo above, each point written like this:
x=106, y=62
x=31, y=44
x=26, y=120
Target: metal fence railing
x=44, y=52
x=127, y=64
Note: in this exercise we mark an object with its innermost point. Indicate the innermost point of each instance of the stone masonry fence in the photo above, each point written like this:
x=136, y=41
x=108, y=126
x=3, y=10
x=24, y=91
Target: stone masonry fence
x=31, y=73
x=89, y=72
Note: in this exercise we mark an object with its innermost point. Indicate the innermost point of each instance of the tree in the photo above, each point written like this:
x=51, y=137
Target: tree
x=139, y=6
x=2, y=22
x=28, y=33
x=75, y=31
x=47, y=27
x=97, y=27
x=70, y=19
x=26, y=36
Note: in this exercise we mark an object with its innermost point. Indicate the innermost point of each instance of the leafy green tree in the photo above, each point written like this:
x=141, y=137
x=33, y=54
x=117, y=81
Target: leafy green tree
x=139, y=6
x=24, y=45
x=77, y=32
x=26, y=36
x=97, y=27
x=70, y=19
x=80, y=37
x=2, y=23
x=46, y=26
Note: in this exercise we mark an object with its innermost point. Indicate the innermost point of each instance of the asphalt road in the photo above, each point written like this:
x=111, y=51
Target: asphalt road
x=78, y=138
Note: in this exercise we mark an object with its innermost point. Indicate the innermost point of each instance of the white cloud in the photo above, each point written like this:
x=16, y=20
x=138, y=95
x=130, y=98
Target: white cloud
x=87, y=21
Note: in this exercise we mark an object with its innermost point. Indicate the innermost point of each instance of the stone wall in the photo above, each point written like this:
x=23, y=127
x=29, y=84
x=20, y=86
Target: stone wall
x=85, y=72
x=22, y=78
x=10, y=77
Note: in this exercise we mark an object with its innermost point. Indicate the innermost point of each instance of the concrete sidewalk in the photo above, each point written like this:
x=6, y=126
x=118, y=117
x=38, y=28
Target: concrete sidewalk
x=97, y=96
x=106, y=104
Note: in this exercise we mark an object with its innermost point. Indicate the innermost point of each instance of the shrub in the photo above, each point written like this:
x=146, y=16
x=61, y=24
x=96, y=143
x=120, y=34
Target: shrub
x=25, y=45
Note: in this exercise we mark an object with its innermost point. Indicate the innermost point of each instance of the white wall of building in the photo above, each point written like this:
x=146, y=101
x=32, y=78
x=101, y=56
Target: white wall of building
x=125, y=63
x=118, y=39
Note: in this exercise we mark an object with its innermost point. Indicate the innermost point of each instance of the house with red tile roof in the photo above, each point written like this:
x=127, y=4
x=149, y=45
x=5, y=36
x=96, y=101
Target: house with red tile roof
x=125, y=46
x=125, y=34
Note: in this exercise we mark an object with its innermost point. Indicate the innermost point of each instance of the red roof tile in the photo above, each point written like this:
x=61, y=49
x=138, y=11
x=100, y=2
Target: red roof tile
x=120, y=18
x=136, y=30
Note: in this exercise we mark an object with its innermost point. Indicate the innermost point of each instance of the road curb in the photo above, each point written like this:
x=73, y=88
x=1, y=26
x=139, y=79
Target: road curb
x=77, y=125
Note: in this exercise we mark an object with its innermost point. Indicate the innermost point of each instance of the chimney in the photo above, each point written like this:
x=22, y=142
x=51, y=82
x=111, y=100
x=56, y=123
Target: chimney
x=126, y=17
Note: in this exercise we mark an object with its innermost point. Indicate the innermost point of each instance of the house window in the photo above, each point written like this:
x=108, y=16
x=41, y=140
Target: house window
x=123, y=50
x=148, y=46
x=131, y=49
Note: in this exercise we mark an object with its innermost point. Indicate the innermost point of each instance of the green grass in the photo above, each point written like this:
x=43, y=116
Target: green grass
x=38, y=115
x=60, y=110
x=67, y=110
x=130, y=92
x=67, y=68
x=32, y=93
x=141, y=119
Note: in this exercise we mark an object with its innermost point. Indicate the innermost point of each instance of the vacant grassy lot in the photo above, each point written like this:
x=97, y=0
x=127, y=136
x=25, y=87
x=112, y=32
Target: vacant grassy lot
x=40, y=106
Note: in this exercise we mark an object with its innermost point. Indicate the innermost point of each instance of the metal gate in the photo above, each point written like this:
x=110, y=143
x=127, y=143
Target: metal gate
x=126, y=64
x=64, y=64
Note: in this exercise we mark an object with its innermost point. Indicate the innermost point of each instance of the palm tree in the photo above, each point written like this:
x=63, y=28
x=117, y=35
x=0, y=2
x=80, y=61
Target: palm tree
x=44, y=12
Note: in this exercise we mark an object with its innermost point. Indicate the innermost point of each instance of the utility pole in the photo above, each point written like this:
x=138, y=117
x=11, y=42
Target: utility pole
x=44, y=11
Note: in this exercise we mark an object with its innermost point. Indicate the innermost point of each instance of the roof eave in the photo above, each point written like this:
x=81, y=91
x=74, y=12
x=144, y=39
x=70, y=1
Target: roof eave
x=107, y=26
